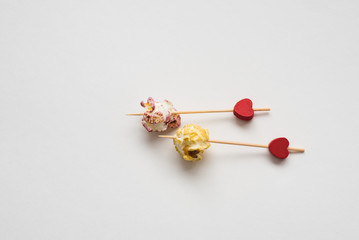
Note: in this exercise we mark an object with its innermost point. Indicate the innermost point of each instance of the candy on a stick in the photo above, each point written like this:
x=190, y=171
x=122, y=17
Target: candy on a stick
x=243, y=109
x=159, y=115
x=278, y=147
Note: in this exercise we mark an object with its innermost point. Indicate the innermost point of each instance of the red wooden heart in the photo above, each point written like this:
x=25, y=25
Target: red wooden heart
x=243, y=109
x=279, y=147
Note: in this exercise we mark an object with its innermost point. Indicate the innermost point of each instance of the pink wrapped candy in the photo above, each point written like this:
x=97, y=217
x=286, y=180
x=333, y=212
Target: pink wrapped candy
x=158, y=116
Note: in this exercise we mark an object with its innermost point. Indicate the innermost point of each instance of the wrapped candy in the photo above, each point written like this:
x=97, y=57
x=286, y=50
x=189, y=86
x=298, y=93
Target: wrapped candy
x=191, y=141
x=158, y=116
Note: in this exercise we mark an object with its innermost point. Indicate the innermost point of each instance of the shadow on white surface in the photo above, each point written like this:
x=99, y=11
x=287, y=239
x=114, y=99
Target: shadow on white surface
x=252, y=156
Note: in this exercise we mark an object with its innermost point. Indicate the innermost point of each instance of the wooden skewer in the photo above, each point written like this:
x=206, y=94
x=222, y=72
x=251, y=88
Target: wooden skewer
x=239, y=143
x=204, y=111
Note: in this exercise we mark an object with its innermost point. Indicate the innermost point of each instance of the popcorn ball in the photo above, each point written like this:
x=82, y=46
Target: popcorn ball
x=158, y=116
x=191, y=141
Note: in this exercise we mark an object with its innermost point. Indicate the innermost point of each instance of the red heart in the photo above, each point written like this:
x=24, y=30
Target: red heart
x=279, y=147
x=243, y=109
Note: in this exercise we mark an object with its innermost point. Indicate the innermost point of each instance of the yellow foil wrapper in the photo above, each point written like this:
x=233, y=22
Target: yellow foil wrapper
x=191, y=141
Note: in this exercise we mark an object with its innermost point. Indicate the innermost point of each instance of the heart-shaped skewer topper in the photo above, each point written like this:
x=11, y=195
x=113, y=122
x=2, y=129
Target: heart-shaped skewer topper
x=279, y=147
x=244, y=109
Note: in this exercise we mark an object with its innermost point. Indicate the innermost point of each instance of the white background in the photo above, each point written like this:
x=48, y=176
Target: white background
x=73, y=166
